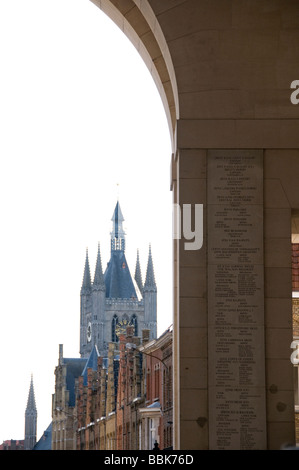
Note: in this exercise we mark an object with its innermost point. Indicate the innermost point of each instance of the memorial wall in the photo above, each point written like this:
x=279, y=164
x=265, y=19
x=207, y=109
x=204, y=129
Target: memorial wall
x=236, y=299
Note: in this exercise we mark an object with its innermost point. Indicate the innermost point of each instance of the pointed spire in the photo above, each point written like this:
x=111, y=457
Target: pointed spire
x=98, y=281
x=117, y=234
x=30, y=419
x=138, y=276
x=31, y=405
x=86, y=284
x=150, y=283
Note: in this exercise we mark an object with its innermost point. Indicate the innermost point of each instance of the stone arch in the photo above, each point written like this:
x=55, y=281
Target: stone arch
x=231, y=78
x=140, y=25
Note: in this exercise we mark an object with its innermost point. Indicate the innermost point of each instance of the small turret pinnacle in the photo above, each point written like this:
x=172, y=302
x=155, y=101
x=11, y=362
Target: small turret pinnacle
x=86, y=284
x=98, y=281
x=138, y=276
x=150, y=283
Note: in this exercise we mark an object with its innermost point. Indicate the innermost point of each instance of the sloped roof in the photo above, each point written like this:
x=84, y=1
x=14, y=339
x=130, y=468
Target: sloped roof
x=45, y=442
x=92, y=363
x=156, y=404
x=74, y=369
x=118, y=279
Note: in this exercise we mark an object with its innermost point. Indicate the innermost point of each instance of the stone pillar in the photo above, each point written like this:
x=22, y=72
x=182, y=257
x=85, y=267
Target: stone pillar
x=234, y=329
x=191, y=325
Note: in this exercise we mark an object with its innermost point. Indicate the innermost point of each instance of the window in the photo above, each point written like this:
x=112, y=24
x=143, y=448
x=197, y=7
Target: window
x=114, y=336
x=135, y=324
x=157, y=381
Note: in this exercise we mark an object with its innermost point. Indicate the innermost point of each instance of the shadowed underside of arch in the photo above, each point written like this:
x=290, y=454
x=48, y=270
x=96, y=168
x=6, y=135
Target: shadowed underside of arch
x=138, y=22
x=231, y=65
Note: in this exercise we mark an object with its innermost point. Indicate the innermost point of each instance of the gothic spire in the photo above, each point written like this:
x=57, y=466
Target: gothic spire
x=117, y=234
x=98, y=281
x=30, y=419
x=150, y=283
x=31, y=406
x=138, y=276
x=86, y=284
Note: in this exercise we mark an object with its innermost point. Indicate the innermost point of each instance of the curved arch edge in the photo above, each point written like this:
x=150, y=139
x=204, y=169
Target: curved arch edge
x=140, y=25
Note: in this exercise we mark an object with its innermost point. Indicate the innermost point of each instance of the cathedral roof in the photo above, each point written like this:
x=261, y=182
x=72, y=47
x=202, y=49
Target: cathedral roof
x=118, y=279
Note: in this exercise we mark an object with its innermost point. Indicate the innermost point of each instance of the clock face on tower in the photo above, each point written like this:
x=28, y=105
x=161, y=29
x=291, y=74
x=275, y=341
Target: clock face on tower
x=121, y=327
x=88, y=334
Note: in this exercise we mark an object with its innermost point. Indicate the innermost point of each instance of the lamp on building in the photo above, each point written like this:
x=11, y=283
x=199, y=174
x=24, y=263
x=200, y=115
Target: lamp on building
x=134, y=347
x=62, y=410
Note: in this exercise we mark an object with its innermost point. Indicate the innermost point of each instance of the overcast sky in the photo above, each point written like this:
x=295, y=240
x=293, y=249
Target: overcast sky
x=79, y=115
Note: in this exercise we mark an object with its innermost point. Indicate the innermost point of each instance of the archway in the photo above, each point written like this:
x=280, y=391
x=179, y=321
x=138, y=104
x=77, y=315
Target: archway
x=230, y=109
x=140, y=25
x=47, y=175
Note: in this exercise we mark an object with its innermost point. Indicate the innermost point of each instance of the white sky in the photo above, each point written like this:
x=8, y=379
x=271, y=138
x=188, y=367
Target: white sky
x=79, y=114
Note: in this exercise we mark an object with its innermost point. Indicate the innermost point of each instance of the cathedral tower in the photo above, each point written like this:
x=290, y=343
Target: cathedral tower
x=115, y=299
x=30, y=419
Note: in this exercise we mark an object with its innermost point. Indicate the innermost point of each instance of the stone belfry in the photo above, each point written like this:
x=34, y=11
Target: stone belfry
x=116, y=299
x=30, y=419
x=118, y=241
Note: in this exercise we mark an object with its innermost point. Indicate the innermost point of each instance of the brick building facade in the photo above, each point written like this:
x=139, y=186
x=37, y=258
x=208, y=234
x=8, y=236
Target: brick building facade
x=12, y=444
x=123, y=402
x=157, y=411
x=64, y=412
